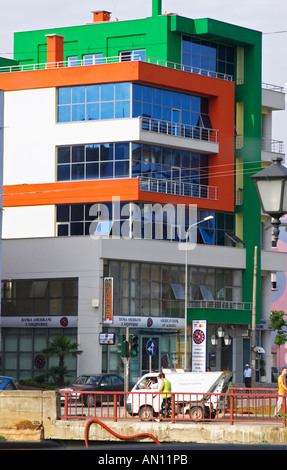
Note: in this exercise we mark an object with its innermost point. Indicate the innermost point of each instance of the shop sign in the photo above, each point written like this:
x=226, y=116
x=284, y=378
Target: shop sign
x=108, y=300
x=39, y=322
x=148, y=322
x=199, y=345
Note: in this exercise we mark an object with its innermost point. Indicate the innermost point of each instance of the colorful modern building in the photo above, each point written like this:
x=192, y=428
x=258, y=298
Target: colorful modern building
x=118, y=137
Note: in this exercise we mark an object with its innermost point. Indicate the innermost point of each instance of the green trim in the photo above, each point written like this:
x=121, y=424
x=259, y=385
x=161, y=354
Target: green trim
x=214, y=315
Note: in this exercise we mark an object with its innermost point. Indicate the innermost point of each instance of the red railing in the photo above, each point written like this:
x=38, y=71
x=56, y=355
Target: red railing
x=239, y=405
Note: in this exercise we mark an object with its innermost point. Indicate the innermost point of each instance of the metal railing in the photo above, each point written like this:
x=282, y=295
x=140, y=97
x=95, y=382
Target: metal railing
x=220, y=304
x=179, y=130
x=271, y=145
x=168, y=186
x=113, y=60
x=255, y=405
x=269, y=86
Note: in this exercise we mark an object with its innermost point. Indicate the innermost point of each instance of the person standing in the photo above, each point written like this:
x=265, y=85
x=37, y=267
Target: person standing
x=165, y=389
x=247, y=376
x=282, y=390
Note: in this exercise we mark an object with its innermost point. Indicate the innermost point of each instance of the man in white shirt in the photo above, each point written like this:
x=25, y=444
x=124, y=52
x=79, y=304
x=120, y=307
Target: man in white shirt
x=247, y=376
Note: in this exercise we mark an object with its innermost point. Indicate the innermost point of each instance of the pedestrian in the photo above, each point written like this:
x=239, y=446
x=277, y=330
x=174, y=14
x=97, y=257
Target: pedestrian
x=165, y=389
x=247, y=376
x=282, y=390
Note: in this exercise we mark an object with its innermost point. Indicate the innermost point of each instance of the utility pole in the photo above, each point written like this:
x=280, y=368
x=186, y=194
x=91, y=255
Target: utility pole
x=253, y=332
x=127, y=362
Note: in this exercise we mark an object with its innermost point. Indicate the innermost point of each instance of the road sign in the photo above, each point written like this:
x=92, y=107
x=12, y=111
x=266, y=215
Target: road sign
x=151, y=347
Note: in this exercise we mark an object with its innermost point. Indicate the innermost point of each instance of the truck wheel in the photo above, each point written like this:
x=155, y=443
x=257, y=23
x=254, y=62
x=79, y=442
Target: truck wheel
x=196, y=412
x=146, y=413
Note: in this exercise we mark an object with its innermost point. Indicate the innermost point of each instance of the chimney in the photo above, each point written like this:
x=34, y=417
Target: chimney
x=156, y=7
x=55, y=48
x=102, y=15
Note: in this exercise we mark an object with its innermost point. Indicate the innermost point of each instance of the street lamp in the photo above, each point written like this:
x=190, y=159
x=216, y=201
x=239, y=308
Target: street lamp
x=271, y=186
x=185, y=293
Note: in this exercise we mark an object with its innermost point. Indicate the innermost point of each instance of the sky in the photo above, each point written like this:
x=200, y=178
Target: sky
x=267, y=16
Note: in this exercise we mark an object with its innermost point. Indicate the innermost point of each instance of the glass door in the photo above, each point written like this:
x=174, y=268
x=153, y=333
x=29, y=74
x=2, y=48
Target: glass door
x=175, y=121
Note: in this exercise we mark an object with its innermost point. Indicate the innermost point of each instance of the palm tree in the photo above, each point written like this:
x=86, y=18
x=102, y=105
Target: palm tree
x=60, y=346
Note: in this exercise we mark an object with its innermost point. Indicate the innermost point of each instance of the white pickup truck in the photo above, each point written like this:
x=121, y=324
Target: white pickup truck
x=188, y=388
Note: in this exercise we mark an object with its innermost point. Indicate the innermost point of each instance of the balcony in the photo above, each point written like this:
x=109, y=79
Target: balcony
x=114, y=60
x=273, y=97
x=178, y=188
x=194, y=138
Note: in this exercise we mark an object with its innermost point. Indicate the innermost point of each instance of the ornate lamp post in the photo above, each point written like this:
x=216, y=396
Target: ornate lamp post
x=271, y=186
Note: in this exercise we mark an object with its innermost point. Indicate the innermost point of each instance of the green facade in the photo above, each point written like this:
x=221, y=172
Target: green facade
x=160, y=36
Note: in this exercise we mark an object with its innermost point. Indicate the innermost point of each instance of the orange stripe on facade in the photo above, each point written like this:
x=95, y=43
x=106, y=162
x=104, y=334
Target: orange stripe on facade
x=69, y=193
x=81, y=192
x=221, y=95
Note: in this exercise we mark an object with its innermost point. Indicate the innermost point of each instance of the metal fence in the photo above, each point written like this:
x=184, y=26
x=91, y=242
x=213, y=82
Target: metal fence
x=239, y=405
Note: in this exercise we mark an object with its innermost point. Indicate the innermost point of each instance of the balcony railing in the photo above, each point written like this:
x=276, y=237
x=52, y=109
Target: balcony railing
x=112, y=60
x=220, y=304
x=179, y=130
x=268, y=86
x=274, y=146
x=178, y=188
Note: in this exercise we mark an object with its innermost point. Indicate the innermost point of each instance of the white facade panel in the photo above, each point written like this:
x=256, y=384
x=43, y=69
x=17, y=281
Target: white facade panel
x=28, y=222
x=29, y=146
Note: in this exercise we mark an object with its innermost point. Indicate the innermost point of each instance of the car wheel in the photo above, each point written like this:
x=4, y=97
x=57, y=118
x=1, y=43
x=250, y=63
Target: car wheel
x=196, y=412
x=146, y=413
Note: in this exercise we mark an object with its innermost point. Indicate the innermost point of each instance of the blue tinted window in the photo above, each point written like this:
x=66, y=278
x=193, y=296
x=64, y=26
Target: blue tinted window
x=122, y=109
x=93, y=93
x=107, y=110
x=92, y=171
x=63, y=172
x=64, y=95
x=92, y=111
x=78, y=94
x=78, y=112
x=202, y=55
x=122, y=151
x=106, y=170
x=78, y=171
x=64, y=113
x=122, y=91
x=108, y=92
x=94, y=102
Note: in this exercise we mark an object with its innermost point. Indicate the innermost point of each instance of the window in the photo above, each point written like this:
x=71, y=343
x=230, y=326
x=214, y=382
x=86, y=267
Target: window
x=93, y=161
x=72, y=61
x=206, y=57
x=137, y=292
x=127, y=56
x=41, y=297
x=92, y=102
x=92, y=59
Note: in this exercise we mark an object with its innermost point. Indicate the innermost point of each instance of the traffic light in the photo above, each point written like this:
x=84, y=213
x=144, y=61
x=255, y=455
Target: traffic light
x=134, y=346
x=122, y=346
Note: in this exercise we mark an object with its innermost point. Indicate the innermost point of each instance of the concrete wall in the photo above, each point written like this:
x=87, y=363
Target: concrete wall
x=24, y=415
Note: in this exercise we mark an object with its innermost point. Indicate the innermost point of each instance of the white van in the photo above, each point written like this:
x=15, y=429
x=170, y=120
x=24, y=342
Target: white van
x=188, y=389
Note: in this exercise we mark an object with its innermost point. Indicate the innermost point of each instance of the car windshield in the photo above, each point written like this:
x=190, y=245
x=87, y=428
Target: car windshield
x=87, y=379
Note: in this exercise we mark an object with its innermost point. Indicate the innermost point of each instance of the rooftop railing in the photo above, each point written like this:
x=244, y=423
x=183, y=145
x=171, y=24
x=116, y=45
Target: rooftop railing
x=268, y=86
x=112, y=60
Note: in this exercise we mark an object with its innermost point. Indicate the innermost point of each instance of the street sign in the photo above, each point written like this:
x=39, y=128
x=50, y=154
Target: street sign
x=107, y=338
x=151, y=347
